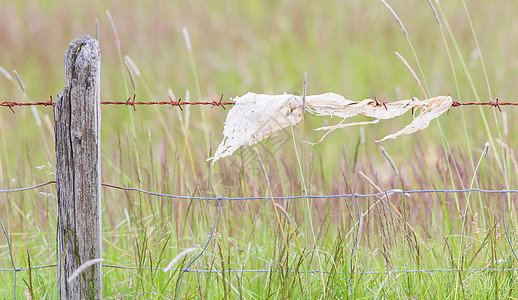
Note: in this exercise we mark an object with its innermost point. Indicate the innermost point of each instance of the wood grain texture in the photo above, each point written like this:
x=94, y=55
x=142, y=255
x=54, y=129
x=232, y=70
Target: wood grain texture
x=77, y=117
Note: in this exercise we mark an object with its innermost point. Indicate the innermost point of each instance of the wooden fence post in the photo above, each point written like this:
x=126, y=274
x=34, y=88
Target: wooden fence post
x=77, y=117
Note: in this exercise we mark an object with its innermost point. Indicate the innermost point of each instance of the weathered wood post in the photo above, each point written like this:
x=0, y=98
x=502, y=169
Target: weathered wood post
x=77, y=117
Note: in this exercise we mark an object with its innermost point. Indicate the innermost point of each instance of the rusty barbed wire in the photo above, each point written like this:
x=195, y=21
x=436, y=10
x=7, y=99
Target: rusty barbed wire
x=130, y=102
x=491, y=104
x=220, y=103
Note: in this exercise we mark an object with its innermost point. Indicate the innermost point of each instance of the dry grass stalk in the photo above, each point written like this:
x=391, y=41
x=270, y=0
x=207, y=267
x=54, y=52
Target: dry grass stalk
x=396, y=17
x=181, y=255
x=409, y=68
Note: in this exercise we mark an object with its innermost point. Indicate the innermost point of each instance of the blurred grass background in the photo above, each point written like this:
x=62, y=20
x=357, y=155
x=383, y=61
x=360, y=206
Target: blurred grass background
x=347, y=47
x=262, y=46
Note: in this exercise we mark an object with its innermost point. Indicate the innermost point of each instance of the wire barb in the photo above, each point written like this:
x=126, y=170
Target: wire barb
x=175, y=103
x=9, y=104
x=49, y=102
x=218, y=103
x=131, y=103
x=494, y=104
x=381, y=102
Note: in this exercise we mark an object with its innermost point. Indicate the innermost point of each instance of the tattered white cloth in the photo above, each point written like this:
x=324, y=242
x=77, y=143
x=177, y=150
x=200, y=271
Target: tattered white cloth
x=255, y=117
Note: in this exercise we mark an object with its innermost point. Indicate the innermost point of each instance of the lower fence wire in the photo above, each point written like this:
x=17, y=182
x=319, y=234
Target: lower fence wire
x=357, y=233
x=219, y=199
x=11, y=256
x=206, y=245
x=190, y=270
x=505, y=227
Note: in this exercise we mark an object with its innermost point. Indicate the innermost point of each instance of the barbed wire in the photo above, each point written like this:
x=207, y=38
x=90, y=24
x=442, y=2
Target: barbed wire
x=491, y=104
x=356, y=196
x=220, y=103
x=130, y=102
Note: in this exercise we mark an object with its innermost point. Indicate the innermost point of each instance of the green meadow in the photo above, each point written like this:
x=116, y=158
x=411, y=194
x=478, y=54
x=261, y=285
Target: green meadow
x=305, y=248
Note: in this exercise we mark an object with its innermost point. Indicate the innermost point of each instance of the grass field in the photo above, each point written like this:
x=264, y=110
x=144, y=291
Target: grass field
x=469, y=51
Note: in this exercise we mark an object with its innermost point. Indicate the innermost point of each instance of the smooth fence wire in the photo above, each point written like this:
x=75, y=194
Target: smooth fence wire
x=205, y=271
x=356, y=196
x=15, y=269
x=505, y=227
